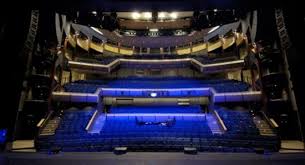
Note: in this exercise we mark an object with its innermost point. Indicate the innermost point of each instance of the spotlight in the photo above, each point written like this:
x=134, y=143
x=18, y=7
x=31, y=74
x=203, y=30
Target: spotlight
x=94, y=13
x=173, y=15
x=153, y=94
x=153, y=30
x=109, y=22
x=135, y=15
x=147, y=15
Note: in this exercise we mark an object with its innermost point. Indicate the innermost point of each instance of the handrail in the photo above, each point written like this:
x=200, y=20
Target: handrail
x=270, y=123
x=199, y=47
x=227, y=42
x=45, y=121
x=239, y=38
x=207, y=92
x=223, y=126
x=209, y=46
x=83, y=43
x=96, y=47
x=109, y=67
x=71, y=40
x=214, y=45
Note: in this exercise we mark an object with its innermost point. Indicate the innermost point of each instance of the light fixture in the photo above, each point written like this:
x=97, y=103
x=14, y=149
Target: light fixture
x=173, y=15
x=161, y=15
x=153, y=94
x=147, y=15
x=215, y=10
x=153, y=30
x=135, y=15
x=213, y=29
x=94, y=12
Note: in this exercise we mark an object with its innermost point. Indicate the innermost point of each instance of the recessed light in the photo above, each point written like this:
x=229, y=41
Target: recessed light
x=161, y=15
x=147, y=15
x=135, y=15
x=94, y=12
x=153, y=30
x=173, y=15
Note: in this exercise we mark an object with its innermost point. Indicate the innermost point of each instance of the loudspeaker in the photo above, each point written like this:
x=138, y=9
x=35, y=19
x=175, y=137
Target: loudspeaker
x=40, y=87
x=110, y=22
x=274, y=85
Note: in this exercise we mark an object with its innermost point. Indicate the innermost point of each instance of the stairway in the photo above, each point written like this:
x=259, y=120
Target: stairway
x=263, y=127
x=96, y=123
x=214, y=124
x=50, y=127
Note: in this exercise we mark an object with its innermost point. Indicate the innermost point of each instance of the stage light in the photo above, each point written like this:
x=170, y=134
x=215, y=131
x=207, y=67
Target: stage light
x=135, y=15
x=173, y=15
x=153, y=94
x=161, y=15
x=147, y=15
x=94, y=12
x=153, y=30
x=213, y=29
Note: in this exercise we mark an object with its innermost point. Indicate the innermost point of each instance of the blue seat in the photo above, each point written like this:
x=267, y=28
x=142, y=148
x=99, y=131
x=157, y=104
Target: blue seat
x=221, y=85
x=242, y=134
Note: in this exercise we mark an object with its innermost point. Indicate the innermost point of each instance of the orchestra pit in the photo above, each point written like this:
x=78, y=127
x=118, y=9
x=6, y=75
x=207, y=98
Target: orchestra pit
x=153, y=82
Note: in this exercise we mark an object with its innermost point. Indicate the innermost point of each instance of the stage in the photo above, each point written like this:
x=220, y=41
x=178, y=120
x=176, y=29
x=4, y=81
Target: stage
x=151, y=158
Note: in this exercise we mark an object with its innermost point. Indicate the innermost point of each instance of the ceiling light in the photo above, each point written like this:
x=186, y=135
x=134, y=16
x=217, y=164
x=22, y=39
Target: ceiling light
x=135, y=15
x=213, y=29
x=173, y=15
x=161, y=15
x=147, y=15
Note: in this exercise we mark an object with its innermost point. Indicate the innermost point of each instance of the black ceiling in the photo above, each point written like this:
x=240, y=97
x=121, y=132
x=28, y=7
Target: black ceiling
x=147, y=5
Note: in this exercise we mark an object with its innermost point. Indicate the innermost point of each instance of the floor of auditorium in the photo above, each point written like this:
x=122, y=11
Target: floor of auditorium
x=288, y=146
x=30, y=157
x=292, y=154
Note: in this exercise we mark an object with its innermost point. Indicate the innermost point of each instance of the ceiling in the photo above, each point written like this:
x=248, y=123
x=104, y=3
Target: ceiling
x=156, y=5
x=165, y=15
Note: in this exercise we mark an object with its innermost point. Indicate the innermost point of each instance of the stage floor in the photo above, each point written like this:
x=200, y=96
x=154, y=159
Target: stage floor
x=30, y=157
x=287, y=146
x=151, y=158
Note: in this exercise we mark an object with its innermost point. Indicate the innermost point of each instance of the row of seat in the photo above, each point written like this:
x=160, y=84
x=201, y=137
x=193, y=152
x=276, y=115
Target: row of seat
x=238, y=123
x=221, y=86
x=156, y=109
x=242, y=134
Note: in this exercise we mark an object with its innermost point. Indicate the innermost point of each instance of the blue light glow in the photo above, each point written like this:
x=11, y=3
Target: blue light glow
x=3, y=133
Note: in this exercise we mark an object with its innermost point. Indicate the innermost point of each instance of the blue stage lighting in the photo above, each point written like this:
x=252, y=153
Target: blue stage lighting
x=3, y=133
